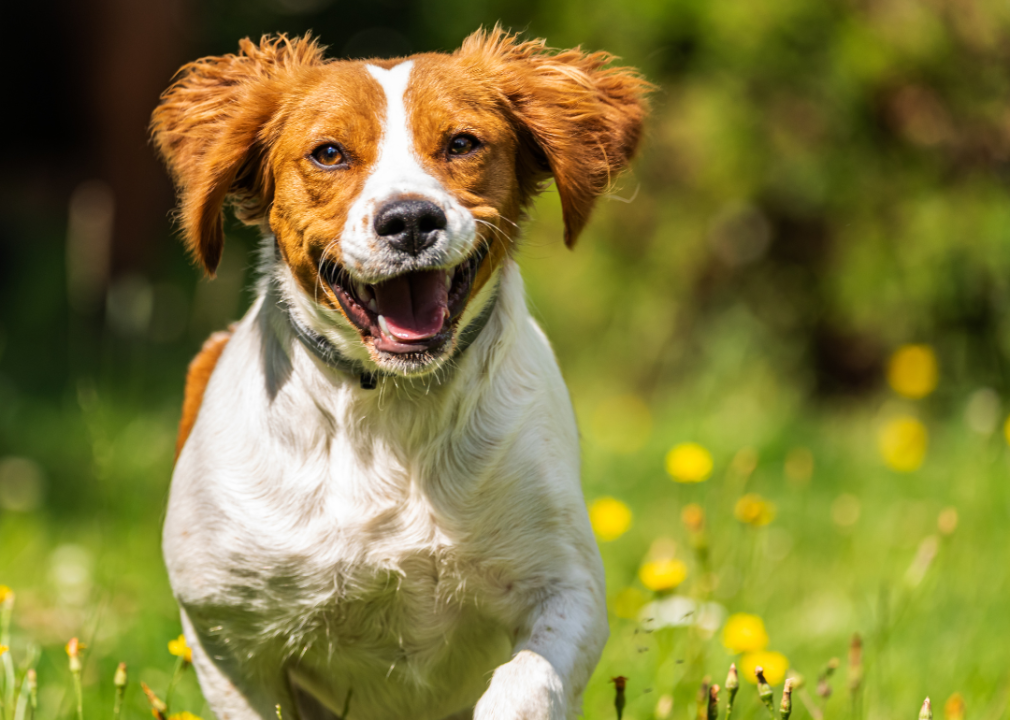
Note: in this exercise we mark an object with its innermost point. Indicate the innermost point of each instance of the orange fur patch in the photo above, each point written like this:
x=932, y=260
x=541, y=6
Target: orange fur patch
x=197, y=377
x=241, y=128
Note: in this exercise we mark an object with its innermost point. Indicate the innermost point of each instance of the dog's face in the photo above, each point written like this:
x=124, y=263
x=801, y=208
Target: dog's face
x=394, y=187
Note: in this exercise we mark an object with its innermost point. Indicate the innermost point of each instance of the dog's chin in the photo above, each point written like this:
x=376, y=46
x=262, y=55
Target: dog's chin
x=408, y=321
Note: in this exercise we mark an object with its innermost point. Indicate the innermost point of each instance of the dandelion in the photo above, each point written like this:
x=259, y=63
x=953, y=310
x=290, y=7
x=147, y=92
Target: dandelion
x=184, y=715
x=693, y=517
x=3, y=649
x=180, y=648
x=5, y=592
x=744, y=633
x=689, y=463
x=902, y=443
x=912, y=371
x=774, y=664
x=754, y=510
x=953, y=709
x=662, y=574
x=609, y=517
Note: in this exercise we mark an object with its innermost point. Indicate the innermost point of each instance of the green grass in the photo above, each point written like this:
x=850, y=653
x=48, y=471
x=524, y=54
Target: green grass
x=89, y=565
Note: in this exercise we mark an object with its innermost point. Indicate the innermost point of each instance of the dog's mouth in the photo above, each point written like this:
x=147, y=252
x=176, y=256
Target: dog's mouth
x=415, y=312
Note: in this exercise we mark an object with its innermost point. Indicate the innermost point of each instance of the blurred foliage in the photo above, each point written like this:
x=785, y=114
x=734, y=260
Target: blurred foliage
x=822, y=184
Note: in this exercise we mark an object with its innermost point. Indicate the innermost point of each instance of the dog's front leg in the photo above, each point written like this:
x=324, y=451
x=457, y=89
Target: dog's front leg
x=564, y=636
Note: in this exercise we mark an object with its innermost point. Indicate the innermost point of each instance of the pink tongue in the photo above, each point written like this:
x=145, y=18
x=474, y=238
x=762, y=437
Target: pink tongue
x=414, y=305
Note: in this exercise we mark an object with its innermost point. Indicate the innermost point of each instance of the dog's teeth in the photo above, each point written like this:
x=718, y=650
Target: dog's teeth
x=448, y=281
x=372, y=306
x=362, y=291
x=384, y=327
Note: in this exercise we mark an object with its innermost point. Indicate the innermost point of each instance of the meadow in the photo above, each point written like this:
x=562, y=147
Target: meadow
x=737, y=524
x=785, y=335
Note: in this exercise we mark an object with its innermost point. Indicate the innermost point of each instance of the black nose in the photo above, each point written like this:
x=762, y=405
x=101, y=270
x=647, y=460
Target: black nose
x=410, y=225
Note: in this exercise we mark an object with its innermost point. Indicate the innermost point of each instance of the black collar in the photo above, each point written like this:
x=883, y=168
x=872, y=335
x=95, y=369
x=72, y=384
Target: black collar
x=329, y=355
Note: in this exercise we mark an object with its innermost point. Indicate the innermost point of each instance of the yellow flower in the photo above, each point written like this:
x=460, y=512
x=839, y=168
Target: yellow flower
x=74, y=647
x=3, y=649
x=5, y=593
x=775, y=665
x=662, y=574
x=627, y=603
x=184, y=715
x=610, y=518
x=902, y=443
x=693, y=517
x=1006, y=434
x=744, y=633
x=689, y=463
x=912, y=371
x=179, y=648
x=953, y=709
x=752, y=509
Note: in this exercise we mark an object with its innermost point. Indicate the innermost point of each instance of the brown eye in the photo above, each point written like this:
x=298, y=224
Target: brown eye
x=328, y=155
x=463, y=145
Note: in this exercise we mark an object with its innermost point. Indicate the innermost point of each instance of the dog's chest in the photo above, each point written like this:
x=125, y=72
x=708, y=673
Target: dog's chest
x=334, y=560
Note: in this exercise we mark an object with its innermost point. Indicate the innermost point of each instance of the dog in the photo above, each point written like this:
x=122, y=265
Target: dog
x=376, y=510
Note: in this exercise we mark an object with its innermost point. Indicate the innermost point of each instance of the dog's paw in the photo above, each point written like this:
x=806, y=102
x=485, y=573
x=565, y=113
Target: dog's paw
x=526, y=688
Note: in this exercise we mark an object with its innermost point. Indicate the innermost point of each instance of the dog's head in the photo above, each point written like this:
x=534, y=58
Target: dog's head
x=394, y=187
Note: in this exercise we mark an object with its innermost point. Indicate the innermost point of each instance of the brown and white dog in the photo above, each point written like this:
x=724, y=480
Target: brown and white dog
x=376, y=509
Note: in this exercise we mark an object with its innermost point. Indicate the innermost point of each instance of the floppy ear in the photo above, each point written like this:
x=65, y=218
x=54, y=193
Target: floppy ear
x=580, y=120
x=213, y=128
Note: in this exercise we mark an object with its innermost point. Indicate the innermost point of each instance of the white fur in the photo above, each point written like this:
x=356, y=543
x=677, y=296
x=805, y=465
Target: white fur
x=398, y=171
x=401, y=543
x=422, y=547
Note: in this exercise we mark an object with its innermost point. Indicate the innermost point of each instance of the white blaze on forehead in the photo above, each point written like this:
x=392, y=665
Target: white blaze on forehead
x=398, y=171
x=396, y=151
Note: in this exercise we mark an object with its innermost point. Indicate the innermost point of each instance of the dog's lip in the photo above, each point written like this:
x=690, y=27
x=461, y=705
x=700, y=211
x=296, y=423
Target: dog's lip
x=427, y=324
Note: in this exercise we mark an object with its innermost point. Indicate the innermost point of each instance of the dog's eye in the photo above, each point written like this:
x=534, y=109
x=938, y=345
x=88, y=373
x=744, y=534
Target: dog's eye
x=328, y=155
x=463, y=145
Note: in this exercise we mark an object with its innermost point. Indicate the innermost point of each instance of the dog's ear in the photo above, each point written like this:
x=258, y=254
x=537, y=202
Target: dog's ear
x=213, y=129
x=579, y=119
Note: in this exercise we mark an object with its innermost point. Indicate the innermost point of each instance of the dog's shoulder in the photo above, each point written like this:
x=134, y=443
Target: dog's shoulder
x=197, y=377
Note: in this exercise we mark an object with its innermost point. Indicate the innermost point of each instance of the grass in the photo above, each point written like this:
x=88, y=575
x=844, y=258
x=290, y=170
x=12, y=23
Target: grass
x=854, y=547
x=914, y=562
